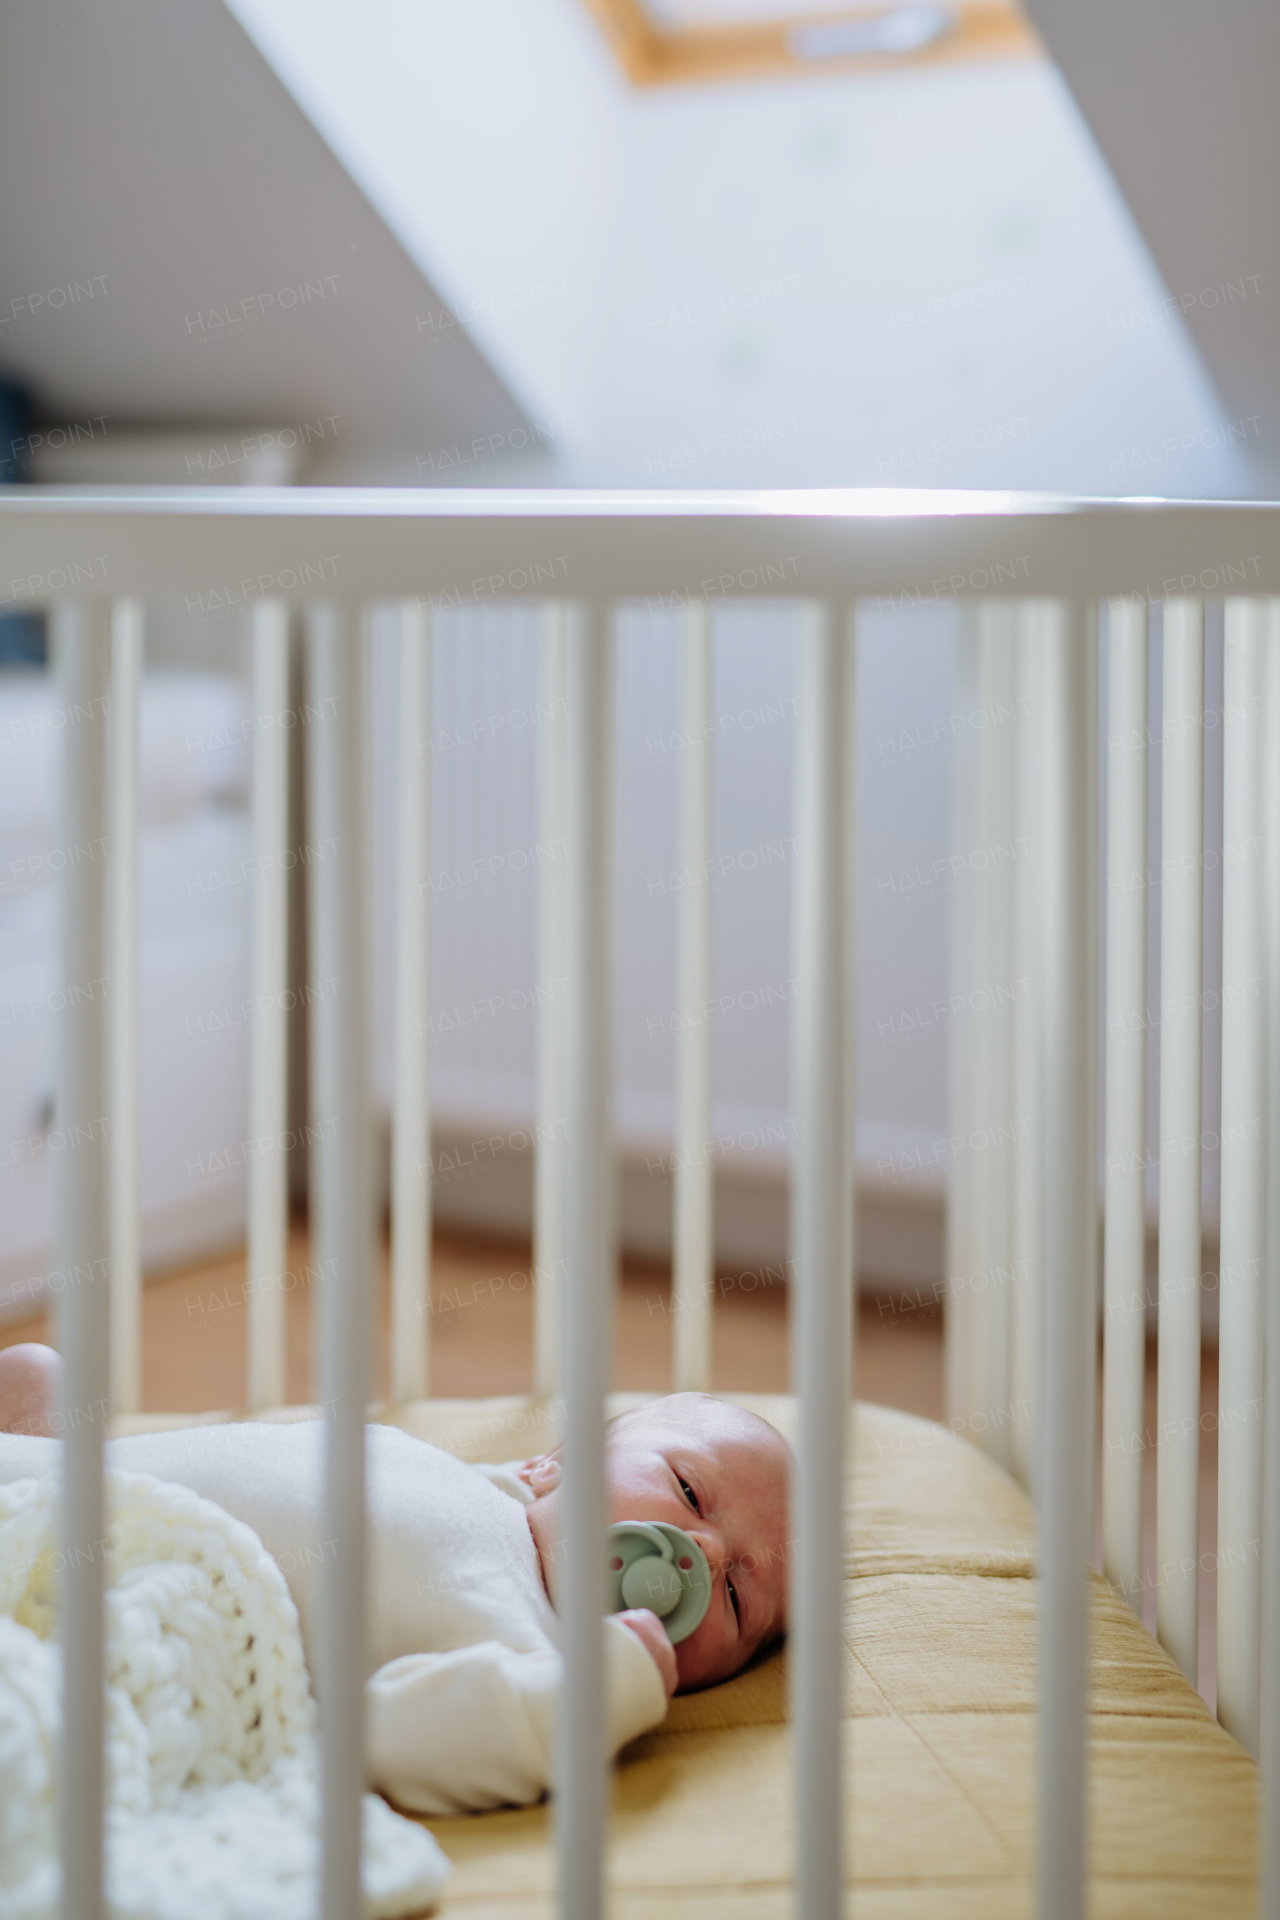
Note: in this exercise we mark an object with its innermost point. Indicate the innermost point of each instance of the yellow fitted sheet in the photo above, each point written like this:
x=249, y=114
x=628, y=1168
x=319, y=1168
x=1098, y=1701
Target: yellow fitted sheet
x=939, y=1688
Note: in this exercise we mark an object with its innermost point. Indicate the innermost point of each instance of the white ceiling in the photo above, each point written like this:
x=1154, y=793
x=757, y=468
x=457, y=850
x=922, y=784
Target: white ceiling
x=488, y=137
x=924, y=275
x=1181, y=97
x=150, y=154
x=921, y=278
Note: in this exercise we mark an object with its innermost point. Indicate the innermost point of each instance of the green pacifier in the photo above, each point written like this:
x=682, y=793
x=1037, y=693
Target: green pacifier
x=660, y=1567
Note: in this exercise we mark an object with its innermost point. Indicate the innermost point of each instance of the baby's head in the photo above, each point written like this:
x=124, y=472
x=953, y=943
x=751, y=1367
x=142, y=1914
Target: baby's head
x=722, y=1475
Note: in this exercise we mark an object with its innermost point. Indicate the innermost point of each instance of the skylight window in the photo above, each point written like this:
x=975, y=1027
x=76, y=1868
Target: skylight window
x=677, y=16
x=660, y=41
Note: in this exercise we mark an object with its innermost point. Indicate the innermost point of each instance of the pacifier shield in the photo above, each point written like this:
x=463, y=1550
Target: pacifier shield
x=654, y=1565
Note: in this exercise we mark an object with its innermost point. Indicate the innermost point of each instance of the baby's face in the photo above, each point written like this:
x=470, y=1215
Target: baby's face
x=721, y=1475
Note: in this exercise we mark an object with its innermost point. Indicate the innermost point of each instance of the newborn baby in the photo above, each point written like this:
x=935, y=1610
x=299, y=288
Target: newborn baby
x=464, y=1561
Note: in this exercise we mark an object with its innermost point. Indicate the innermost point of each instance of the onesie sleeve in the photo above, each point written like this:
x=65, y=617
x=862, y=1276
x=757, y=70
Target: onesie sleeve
x=474, y=1728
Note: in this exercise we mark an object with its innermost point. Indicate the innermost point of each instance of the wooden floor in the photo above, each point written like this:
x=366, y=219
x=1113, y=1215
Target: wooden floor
x=481, y=1342
x=481, y=1333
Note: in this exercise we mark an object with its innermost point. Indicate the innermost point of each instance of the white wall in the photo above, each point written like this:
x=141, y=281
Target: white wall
x=486, y=857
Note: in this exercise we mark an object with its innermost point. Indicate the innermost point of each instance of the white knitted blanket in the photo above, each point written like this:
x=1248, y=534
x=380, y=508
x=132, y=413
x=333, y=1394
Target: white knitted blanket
x=213, y=1805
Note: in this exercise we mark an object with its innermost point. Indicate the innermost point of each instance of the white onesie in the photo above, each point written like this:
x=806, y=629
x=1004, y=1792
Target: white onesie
x=462, y=1658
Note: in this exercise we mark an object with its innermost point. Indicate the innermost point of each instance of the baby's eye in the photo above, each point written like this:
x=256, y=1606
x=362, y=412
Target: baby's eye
x=733, y=1596
x=689, y=1494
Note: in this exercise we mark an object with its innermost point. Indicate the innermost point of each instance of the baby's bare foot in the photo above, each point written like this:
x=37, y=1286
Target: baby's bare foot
x=29, y=1389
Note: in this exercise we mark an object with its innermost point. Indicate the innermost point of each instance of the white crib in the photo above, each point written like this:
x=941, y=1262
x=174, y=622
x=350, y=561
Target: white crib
x=1033, y=571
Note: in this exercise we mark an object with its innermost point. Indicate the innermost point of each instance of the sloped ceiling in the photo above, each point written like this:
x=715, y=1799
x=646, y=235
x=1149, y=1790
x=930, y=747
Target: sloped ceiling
x=919, y=277
x=177, y=243
x=602, y=252
x=1181, y=98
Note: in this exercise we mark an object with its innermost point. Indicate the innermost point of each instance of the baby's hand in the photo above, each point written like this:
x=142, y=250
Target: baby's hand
x=648, y=1628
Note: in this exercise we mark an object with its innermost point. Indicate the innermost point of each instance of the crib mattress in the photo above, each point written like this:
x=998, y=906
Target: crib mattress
x=939, y=1679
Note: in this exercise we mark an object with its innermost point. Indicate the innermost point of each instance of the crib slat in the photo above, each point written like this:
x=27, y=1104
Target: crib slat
x=125, y=760
x=693, y=1265
x=962, y=1256
x=1071, y=1207
x=852, y=775
x=1181, y=929
x=1269, y=1715
x=1244, y=1176
x=582, y=1777
x=990, y=1165
x=342, y=1225
x=1027, y=1331
x=822, y=1225
x=411, y=1184
x=268, y=1114
x=1124, y=1324
x=82, y=652
x=553, y=911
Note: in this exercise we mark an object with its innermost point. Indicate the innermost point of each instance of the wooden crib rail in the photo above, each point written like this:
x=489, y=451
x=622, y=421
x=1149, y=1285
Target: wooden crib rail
x=1032, y=574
